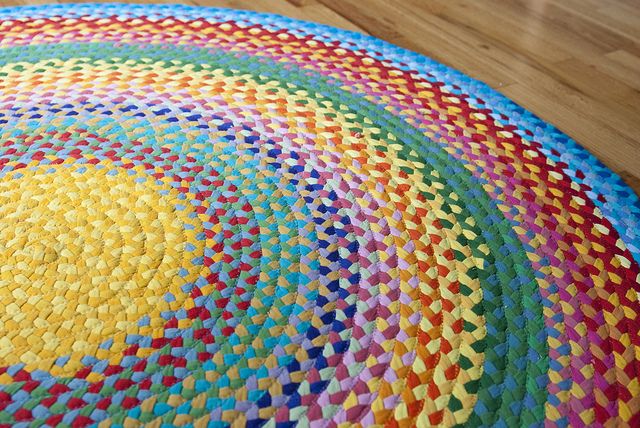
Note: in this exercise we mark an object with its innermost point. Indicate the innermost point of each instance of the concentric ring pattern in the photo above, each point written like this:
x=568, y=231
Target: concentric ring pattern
x=213, y=217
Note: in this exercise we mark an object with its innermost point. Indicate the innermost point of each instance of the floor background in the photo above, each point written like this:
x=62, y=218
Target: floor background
x=574, y=63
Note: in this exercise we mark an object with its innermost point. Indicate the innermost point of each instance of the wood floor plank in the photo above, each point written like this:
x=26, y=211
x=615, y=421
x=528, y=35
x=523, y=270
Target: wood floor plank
x=600, y=137
x=505, y=28
x=616, y=17
x=624, y=57
x=399, y=25
x=321, y=14
x=621, y=70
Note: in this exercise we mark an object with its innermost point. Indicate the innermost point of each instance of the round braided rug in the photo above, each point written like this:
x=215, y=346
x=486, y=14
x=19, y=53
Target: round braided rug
x=213, y=217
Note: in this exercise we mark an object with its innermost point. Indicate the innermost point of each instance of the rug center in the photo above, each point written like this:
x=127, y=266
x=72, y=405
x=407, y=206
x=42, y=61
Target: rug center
x=88, y=255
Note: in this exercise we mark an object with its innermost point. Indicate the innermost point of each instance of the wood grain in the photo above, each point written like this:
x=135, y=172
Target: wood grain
x=574, y=63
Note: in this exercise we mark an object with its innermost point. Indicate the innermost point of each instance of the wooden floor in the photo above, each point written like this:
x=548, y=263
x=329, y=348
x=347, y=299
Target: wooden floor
x=575, y=63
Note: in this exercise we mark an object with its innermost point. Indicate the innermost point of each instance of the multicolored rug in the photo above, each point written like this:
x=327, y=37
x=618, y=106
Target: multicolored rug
x=213, y=217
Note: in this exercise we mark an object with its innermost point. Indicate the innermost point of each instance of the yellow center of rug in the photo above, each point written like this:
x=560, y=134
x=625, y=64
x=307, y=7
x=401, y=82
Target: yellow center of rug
x=88, y=255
